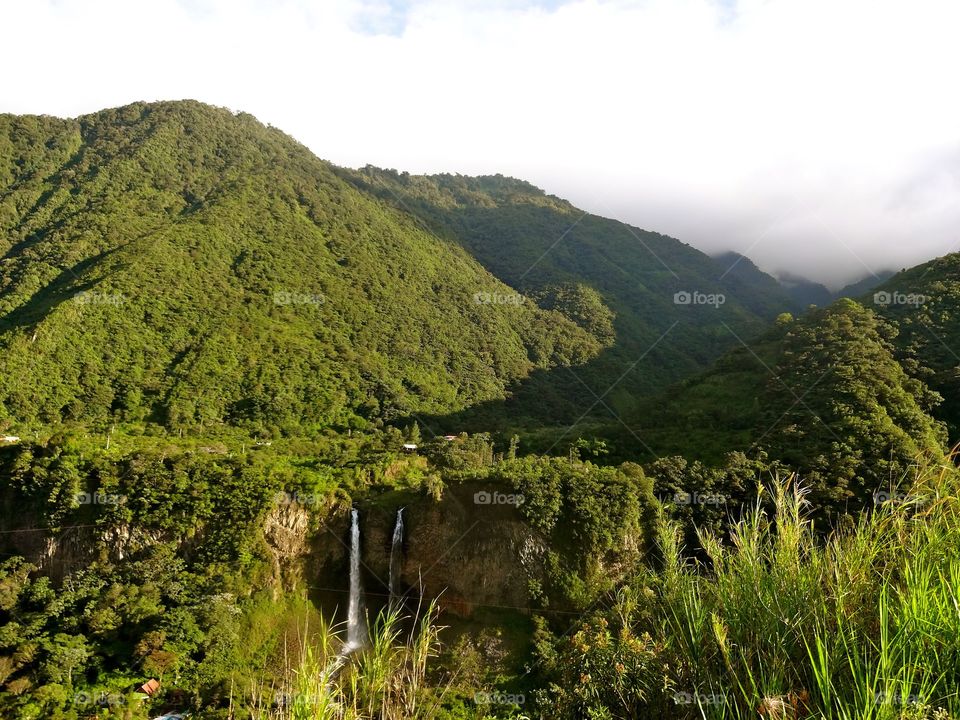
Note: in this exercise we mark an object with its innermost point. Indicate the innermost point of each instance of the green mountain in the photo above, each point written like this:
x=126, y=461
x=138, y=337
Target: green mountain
x=178, y=265
x=865, y=285
x=824, y=395
x=181, y=264
x=775, y=298
x=851, y=396
x=805, y=292
x=674, y=308
x=924, y=303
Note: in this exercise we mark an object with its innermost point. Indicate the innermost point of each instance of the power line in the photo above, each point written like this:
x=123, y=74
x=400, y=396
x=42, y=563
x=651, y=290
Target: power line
x=48, y=529
x=468, y=602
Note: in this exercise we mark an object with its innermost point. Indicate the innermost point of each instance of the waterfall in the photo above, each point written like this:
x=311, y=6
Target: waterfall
x=356, y=636
x=396, y=548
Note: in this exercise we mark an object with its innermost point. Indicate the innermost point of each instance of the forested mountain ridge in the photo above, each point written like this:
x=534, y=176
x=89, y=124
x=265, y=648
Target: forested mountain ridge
x=924, y=304
x=182, y=264
x=214, y=346
x=537, y=242
x=825, y=395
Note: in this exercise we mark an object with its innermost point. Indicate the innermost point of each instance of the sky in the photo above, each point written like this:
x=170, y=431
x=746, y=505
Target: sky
x=818, y=137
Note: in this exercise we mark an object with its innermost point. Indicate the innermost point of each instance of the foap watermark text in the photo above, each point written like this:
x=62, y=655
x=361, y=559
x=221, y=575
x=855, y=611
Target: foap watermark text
x=885, y=298
x=695, y=297
x=497, y=498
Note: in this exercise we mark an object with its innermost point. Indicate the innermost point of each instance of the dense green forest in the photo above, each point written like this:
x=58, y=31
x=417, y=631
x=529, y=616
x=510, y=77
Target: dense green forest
x=539, y=243
x=634, y=481
x=182, y=265
x=824, y=394
x=235, y=277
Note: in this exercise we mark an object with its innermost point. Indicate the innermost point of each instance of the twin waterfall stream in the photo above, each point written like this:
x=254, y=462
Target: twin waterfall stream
x=356, y=622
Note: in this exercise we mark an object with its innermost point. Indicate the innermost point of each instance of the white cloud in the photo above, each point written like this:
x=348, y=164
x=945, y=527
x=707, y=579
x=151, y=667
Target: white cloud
x=820, y=136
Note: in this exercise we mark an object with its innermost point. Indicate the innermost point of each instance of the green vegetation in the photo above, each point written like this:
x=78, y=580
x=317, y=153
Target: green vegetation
x=179, y=264
x=163, y=561
x=183, y=586
x=776, y=621
x=176, y=263
x=823, y=395
x=388, y=681
x=213, y=345
x=922, y=303
x=545, y=247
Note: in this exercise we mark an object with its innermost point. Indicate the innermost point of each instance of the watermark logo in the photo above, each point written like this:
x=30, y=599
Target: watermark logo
x=88, y=297
x=495, y=298
x=882, y=698
x=687, y=698
x=695, y=297
x=97, y=498
x=697, y=498
x=287, y=297
x=499, y=698
x=885, y=298
x=101, y=699
x=286, y=498
x=882, y=497
x=497, y=498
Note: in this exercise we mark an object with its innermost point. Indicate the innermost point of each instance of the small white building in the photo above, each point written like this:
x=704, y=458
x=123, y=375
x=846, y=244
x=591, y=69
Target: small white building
x=10, y=439
x=409, y=447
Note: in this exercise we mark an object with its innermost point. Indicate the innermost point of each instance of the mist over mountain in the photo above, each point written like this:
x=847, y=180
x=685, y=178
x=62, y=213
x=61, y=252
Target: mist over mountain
x=804, y=292
x=801, y=174
x=674, y=309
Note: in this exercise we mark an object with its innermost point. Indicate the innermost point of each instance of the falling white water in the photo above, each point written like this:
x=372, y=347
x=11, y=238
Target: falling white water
x=395, y=549
x=356, y=635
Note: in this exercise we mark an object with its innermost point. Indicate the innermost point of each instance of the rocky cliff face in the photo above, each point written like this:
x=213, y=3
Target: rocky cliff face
x=287, y=532
x=76, y=547
x=464, y=553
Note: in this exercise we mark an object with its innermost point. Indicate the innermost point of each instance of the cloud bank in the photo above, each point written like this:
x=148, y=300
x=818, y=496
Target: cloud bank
x=818, y=137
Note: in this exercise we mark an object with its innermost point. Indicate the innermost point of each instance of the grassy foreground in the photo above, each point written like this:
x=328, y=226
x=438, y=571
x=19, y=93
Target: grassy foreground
x=387, y=679
x=774, y=621
x=865, y=626
x=777, y=621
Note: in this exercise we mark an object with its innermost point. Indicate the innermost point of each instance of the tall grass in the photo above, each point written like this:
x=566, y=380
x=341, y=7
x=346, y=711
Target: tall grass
x=385, y=680
x=779, y=621
x=782, y=623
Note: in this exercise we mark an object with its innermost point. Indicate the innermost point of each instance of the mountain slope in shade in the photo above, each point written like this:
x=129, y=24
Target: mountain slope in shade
x=668, y=323
x=767, y=296
x=864, y=285
x=805, y=292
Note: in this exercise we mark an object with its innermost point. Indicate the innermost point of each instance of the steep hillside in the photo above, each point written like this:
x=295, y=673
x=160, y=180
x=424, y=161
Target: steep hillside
x=864, y=285
x=183, y=264
x=823, y=395
x=924, y=303
x=675, y=309
x=805, y=292
x=764, y=292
